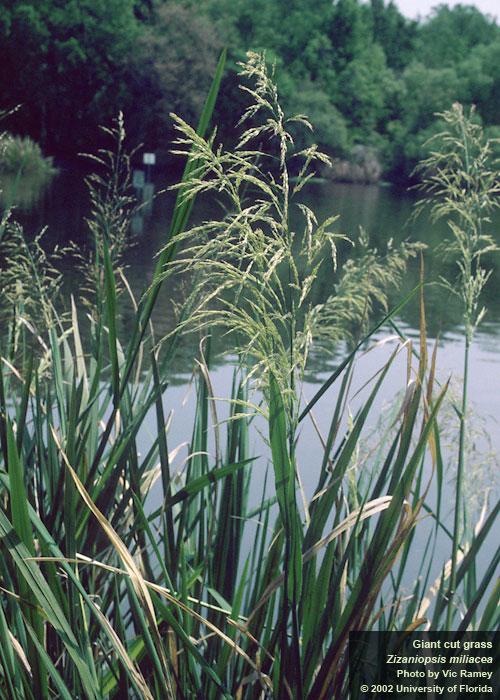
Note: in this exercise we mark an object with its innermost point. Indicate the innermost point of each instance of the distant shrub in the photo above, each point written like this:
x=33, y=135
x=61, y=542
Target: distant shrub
x=22, y=155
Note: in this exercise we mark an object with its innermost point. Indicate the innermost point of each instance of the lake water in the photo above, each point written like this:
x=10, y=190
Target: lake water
x=384, y=213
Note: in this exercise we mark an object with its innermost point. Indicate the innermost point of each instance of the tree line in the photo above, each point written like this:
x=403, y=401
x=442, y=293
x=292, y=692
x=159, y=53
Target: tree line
x=369, y=79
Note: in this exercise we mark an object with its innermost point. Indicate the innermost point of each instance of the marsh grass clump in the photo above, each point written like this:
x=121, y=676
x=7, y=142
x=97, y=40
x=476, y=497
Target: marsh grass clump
x=33, y=304
x=463, y=184
x=261, y=261
x=104, y=597
x=481, y=480
x=112, y=206
x=30, y=283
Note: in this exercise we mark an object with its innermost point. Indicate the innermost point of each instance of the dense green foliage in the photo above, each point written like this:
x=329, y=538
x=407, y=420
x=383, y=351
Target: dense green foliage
x=370, y=80
x=125, y=575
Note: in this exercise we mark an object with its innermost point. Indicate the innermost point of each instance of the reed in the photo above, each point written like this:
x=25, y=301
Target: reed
x=462, y=179
x=103, y=598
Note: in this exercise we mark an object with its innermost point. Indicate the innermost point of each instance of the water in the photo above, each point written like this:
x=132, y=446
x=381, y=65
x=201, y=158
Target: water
x=384, y=213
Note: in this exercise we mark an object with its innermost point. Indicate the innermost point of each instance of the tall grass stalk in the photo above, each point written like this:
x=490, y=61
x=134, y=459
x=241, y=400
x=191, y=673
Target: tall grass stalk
x=464, y=184
x=262, y=270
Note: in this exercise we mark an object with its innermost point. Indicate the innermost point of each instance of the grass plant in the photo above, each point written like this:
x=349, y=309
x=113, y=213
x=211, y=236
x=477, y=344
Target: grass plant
x=103, y=598
x=464, y=185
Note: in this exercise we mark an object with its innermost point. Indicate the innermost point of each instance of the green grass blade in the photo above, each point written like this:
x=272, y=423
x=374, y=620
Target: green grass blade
x=182, y=210
x=491, y=615
x=109, y=283
x=195, y=486
x=481, y=590
x=18, y=496
x=45, y=599
x=59, y=684
x=284, y=475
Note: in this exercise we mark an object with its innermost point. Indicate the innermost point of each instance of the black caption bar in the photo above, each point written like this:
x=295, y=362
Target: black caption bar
x=448, y=665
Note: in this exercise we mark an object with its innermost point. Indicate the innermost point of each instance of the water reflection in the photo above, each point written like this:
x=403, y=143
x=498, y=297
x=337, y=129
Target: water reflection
x=388, y=213
x=23, y=191
x=385, y=213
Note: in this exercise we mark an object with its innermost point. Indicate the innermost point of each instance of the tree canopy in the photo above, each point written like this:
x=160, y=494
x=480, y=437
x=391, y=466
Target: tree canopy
x=365, y=75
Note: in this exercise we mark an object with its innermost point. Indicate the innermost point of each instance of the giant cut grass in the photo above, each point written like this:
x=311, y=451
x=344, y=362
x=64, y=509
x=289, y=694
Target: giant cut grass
x=104, y=597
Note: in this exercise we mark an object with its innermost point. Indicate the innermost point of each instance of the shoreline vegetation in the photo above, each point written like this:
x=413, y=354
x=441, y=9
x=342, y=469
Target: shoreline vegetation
x=23, y=157
x=369, y=79
x=103, y=597
x=24, y=170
